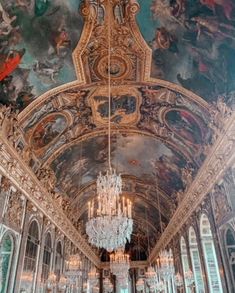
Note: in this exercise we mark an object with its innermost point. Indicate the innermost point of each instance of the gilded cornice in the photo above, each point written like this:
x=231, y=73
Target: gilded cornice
x=219, y=159
x=21, y=176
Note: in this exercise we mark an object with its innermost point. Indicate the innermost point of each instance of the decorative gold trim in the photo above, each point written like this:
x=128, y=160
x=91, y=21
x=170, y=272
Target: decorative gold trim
x=22, y=177
x=220, y=158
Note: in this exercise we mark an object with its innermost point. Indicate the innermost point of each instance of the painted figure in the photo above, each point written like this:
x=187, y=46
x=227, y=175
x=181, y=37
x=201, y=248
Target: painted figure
x=10, y=62
x=47, y=130
x=185, y=125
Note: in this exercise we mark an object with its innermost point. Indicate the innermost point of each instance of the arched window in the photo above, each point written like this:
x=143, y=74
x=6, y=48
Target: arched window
x=230, y=246
x=58, y=260
x=210, y=256
x=185, y=263
x=30, y=259
x=196, y=263
x=46, y=262
x=6, y=253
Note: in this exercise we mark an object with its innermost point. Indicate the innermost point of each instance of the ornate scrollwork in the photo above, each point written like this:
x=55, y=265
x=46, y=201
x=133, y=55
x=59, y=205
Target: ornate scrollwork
x=47, y=177
x=15, y=209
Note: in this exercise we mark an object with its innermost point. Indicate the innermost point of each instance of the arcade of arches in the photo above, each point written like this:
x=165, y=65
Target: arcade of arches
x=171, y=69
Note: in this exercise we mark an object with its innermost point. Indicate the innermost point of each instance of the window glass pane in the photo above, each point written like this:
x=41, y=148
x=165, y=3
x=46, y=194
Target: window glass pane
x=30, y=258
x=6, y=250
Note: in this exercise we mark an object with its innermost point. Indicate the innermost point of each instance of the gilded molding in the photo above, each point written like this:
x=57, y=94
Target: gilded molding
x=219, y=159
x=22, y=177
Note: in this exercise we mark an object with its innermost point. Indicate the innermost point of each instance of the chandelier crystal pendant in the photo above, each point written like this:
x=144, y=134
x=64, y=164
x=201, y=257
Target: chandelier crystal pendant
x=110, y=221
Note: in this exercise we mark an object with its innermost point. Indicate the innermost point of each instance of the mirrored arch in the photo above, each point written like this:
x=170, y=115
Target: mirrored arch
x=58, y=259
x=30, y=258
x=185, y=261
x=46, y=261
x=230, y=248
x=210, y=257
x=196, y=262
x=6, y=257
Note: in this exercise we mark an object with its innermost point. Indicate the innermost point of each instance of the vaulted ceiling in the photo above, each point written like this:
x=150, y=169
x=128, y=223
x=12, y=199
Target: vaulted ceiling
x=165, y=86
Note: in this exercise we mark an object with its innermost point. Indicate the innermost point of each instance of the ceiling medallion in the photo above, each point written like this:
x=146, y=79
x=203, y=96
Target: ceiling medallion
x=110, y=221
x=119, y=67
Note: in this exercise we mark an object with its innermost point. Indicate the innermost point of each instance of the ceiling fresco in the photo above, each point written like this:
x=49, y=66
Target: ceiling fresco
x=36, y=43
x=172, y=82
x=129, y=156
x=193, y=44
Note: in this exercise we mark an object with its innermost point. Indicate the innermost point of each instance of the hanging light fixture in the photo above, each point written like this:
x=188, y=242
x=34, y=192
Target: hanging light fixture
x=119, y=263
x=51, y=281
x=93, y=277
x=108, y=286
x=140, y=285
x=73, y=270
x=119, y=266
x=165, y=261
x=189, y=279
x=62, y=285
x=151, y=276
x=109, y=223
x=178, y=280
x=154, y=280
x=165, y=264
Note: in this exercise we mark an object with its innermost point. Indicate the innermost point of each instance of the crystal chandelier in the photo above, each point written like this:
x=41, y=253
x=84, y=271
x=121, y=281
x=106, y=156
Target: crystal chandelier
x=108, y=286
x=62, y=285
x=119, y=263
x=189, y=278
x=93, y=277
x=151, y=276
x=73, y=270
x=140, y=285
x=178, y=280
x=109, y=223
x=51, y=281
x=165, y=264
x=154, y=281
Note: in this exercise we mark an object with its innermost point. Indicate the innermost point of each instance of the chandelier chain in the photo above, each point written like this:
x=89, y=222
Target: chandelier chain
x=109, y=87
